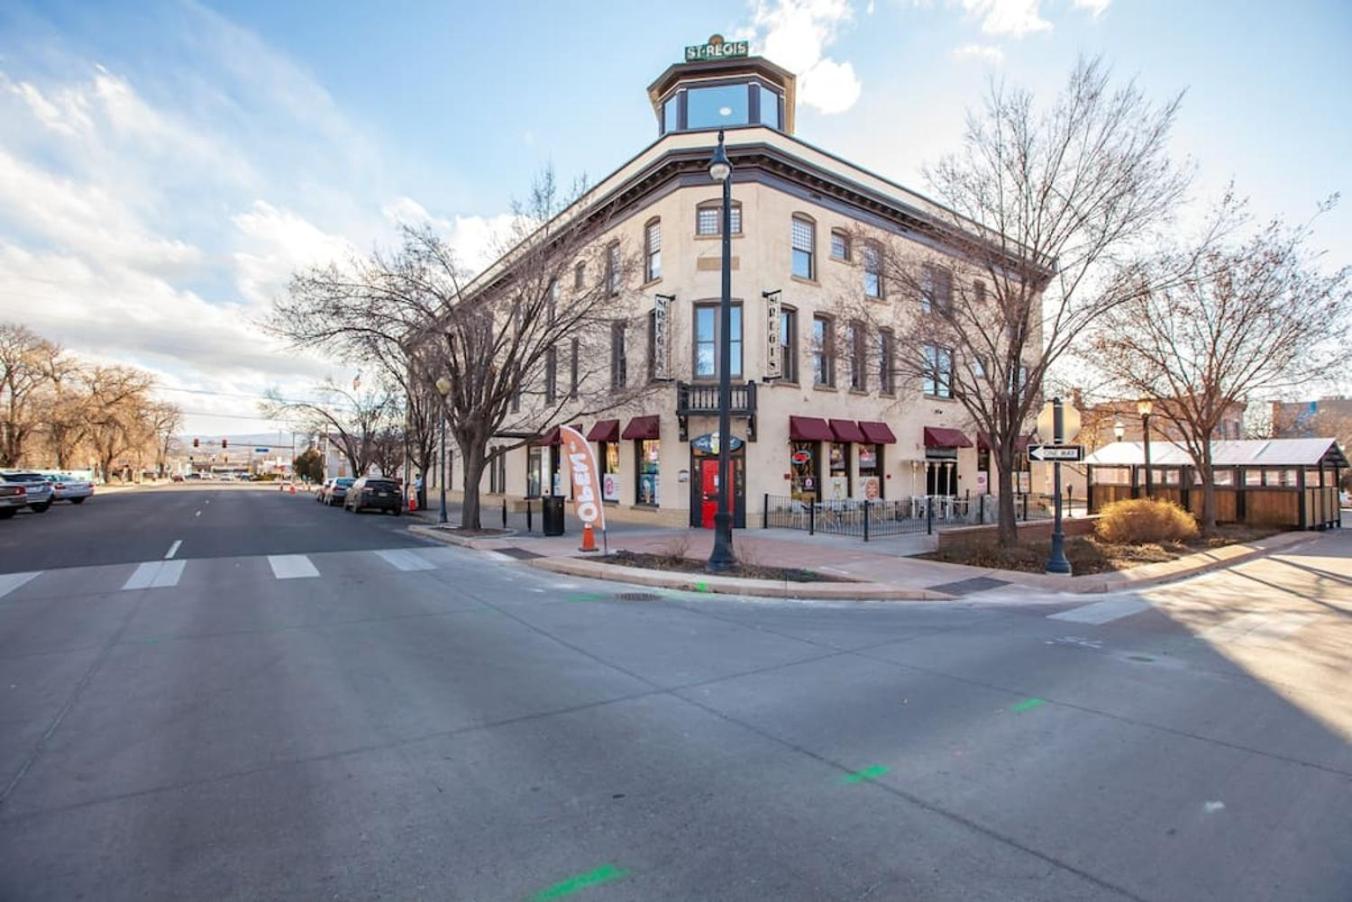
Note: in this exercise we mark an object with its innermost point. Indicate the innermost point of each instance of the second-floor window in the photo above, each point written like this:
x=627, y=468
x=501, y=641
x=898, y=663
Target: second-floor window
x=854, y=336
x=613, y=269
x=652, y=251
x=873, y=271
x=804, y=248
x=936, y=289
x=938, y=382
x=709, y=218
x=887, y=357
x=823, y=351
x=579, y=276
x=619, y=365
x=706, y=341
x=572, y=371
x=551, y=375
x=788, y=344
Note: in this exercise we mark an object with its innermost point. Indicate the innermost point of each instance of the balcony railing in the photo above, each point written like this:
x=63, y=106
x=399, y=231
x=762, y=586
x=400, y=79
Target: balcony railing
x=701, y=399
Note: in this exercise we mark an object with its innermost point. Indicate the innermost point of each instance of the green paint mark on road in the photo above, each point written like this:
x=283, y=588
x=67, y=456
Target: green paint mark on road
x=872, y=772
x=604, y=874
x=701, y=587
x=1139, y=658
x=1028, y=704
x=590, y=596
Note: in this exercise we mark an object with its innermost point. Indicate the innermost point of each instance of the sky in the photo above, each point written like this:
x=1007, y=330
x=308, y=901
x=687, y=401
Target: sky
x=165, y=165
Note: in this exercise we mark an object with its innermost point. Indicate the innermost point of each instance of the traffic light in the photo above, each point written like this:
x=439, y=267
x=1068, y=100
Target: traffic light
x=195, y=443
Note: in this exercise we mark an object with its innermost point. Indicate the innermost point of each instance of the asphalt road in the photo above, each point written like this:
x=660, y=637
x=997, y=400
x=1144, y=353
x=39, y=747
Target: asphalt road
x=373, y=718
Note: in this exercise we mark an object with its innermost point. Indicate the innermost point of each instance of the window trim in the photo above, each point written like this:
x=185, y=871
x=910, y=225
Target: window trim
x=874, y=249
x=933, y=375
x=650, y=255
x=827, y=351
x=788, y=352
x=739, y=359
x=794, y=250
x=717, y=204
x=844, y=236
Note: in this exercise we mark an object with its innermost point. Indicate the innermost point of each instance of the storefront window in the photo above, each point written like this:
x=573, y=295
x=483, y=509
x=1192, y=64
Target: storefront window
x=803, y=471
x=838, y=485
x=610, y=471
x=534, y=469
x=871, y=471
x=649, y=456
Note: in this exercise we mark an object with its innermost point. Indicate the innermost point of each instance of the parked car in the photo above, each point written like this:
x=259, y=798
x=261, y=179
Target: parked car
x=193, y=476
x=177, y=477
x=377, y=492
x=335, y=490
x=13, y=498
x=66, y=487
x=39, y=490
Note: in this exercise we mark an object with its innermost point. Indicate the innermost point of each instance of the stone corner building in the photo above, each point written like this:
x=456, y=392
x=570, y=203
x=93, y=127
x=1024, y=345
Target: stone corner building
x=836, y=422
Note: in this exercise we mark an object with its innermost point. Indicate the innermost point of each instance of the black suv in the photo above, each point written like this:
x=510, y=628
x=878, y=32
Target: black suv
x=377, y=492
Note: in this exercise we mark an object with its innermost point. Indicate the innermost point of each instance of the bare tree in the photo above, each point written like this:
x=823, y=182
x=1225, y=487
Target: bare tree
x=525, y=346
x=1210, y=328
x=1036, y=213
x=26, y=362
x=117, y=398
x=164, y=420
x=354, y=419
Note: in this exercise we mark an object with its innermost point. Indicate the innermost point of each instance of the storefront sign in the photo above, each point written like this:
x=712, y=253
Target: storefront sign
x=716, y=49
x=708, y=443
x=581, y=463
x=661, y=337
x=773, y=362
x=801, y=457
x=610, y=487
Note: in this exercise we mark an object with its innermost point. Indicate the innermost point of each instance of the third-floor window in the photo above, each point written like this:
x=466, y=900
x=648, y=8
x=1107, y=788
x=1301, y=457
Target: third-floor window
x=652, y=250
x=709, y=218
x=804, y=248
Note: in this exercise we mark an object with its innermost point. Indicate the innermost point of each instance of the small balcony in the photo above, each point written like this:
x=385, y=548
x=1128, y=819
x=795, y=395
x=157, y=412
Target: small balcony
x=700, y=399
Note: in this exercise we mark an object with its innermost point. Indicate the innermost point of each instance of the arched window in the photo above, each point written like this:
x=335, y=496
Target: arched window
x=652, y=250
x=709, y=218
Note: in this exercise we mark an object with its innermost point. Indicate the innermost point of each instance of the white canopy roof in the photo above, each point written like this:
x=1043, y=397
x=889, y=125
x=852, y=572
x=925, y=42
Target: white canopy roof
x=1277, y=452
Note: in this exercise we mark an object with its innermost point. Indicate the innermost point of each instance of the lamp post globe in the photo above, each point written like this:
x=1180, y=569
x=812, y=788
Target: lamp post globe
x=721, y=558
x=443, y=389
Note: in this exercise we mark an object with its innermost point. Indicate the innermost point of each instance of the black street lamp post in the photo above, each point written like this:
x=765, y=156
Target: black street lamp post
x=444, y=389
x=1144, y=408
x=722, y=558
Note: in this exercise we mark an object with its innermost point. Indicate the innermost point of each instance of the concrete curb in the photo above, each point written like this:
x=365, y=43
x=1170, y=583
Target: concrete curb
x=478, y=543
x=730, y=585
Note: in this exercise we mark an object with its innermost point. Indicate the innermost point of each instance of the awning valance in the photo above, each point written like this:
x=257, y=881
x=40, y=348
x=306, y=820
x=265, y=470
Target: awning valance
x=549, y=438
x=809, y=429
x=643, y=428
x=878, y=433
x=943, y=437
x=846, y=431
x=605, y=431
x=983, y=440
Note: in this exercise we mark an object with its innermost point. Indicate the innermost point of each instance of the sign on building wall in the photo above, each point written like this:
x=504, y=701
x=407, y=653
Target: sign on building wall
x=662, y=336
x=716, y=49
x=773, y=352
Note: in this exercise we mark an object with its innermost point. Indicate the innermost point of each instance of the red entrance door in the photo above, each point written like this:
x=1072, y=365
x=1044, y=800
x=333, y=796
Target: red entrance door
x=708, y=472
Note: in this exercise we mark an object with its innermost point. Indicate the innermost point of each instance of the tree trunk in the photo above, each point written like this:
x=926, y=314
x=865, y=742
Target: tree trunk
x=1208, y=498
x=1007, y=531
x=473, y=456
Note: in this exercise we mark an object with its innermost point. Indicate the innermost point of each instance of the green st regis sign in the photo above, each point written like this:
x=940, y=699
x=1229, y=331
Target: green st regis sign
x=716, y=49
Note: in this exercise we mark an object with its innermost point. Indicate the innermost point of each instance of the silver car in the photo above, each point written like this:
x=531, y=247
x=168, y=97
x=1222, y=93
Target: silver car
x=67, y=487
x=13, y=498
x=39, y=492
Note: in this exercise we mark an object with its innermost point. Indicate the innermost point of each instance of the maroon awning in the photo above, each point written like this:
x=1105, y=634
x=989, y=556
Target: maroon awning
x=846, y=431
x=878, y=433
x=549, y=438
x=643, y=428
x=809, y=429
x=983, y=440
x=605, y=431
x=942, y=437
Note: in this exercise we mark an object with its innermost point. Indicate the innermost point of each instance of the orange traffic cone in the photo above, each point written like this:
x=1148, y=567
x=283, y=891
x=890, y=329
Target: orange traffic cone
x=293, y=488
x=588, y=538
x=413, y=502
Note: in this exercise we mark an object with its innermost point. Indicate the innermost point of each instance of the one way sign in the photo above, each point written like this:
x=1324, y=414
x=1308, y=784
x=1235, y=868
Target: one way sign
x=1062, y=453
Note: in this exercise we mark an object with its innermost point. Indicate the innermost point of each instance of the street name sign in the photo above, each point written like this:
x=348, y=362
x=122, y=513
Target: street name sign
x=1060, y=453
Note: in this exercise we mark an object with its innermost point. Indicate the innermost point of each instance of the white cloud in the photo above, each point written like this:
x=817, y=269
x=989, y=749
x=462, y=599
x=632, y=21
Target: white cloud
x=1014, y=18
x=1095, y=7
x=795, y=34
x=277, y=243
x=476, y=240
x=986, y=53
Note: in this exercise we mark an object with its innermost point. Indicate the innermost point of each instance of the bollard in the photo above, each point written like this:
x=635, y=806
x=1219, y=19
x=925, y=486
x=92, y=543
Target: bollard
x=504, y=513
x=929, y=516
x=528, y=527
x=865, y=519
x=812, y=518
x=765, y=511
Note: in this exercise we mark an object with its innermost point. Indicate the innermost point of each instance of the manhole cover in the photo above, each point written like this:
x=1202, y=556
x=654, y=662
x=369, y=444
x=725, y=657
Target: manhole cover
x=638, y=596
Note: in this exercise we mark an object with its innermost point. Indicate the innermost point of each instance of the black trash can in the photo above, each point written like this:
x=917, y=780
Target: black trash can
x=552, y=514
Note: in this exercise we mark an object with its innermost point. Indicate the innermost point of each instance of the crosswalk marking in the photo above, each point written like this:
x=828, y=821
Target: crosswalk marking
x=155, y=575
x=1256, y=628
x=1101, y=612
x=403, y=559
x=11, y=581
x=291, y=566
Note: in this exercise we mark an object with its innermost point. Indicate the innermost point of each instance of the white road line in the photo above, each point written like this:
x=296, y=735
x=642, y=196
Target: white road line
x=1101, y=612
x=11, y=581
x=155, y=575
x=173, y=549
x=403, y=559
x=291, y=566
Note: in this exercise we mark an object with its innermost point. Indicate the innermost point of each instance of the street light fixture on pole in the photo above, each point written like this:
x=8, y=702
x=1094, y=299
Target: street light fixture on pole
x=722, y=558
x=1119, y=430
x=444, y=389
x=1144, y=408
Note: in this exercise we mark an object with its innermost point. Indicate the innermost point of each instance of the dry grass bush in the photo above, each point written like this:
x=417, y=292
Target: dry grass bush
x=1140, y=521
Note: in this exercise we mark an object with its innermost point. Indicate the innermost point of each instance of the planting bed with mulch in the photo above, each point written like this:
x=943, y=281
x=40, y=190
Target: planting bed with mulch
x=1089, y=554
x=741, y=569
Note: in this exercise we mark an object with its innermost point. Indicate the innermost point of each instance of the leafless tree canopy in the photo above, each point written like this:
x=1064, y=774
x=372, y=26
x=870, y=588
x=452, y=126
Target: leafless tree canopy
x=1212, y=326
x=520, y=345
x=360, y=422
x=1041, y=209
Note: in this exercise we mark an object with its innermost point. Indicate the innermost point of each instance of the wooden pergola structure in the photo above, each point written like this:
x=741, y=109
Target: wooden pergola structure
x=1263, y=482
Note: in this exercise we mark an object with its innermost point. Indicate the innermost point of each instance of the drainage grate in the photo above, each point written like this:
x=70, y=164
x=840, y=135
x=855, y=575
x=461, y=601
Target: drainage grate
x=520, y=554
x=638, y=596
x=968, y=586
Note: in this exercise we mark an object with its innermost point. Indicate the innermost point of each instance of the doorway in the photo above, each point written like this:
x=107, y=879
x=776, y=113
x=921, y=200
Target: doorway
x=704, y=491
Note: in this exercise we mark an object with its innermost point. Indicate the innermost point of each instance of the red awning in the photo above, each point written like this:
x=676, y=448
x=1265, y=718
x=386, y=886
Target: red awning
x=941, y=437
x=846, y=431
x=878, y=433
x=549, y=438
x=605, y=431
x=643, y=428
x=983, y=440
x=809, y=429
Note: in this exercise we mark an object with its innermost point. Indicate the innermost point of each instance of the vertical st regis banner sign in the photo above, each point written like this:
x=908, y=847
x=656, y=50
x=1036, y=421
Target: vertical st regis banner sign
x=774, y=364
x=586, y=478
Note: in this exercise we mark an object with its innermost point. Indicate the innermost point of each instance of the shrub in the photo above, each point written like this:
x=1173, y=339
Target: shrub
x=1139, y=521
